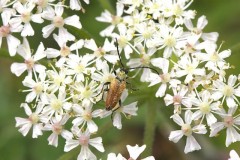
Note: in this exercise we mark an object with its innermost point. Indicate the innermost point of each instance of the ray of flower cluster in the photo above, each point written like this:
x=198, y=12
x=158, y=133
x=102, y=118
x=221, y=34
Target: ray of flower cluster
x=157, y=37
x=161, y=35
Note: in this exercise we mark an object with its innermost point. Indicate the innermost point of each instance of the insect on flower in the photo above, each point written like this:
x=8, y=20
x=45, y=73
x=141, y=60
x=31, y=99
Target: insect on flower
x=117, y=85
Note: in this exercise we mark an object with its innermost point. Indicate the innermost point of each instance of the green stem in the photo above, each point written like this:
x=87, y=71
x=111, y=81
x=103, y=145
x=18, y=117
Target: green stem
x=70, y=155
x=107, y=5
x=236, y=49
x=150, y=126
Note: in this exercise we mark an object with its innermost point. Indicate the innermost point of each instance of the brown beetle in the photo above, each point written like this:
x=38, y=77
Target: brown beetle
x=117, y=85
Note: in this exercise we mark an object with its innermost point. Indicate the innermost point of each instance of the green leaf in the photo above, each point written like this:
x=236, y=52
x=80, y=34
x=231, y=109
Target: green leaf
x=107, y=5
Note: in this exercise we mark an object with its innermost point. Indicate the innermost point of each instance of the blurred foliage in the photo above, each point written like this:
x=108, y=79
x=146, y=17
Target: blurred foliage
x=223, y=16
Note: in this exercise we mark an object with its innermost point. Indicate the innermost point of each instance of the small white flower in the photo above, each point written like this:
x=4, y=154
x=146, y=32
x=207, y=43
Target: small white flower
x=187, y=130
x=188, y=66
x=26, y=17
x=30, y=61
x=6, y=31
x=83, y=139
x=230, y=123
x=115, y=20
x=33, y=121
x=84, y=115
x=163, y=78
x=37, y=87
x=205, y=107
x=56, y=125
x=101, y=52
x=58, y=22
x=227, y=91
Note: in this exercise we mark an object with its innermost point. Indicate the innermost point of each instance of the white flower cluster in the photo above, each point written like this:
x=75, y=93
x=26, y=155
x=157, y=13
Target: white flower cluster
x=159, y=35
x=63, y=84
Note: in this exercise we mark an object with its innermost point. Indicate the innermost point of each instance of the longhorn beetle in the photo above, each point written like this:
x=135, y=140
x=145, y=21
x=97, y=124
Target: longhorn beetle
x=117, y=85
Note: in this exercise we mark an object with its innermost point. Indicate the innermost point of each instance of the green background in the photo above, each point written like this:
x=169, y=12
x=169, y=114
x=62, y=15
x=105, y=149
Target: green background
x=223, y=17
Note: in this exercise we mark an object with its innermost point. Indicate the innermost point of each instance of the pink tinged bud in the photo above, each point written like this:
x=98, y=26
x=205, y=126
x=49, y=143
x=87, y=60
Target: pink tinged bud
x=30, y=63
x=228, y=120
x=33, y=118
x=177, y=99
x=57, y=128
x=65, y=51
x=42, y=3
x=187, y=129
x=83, y=140
x=4, y=31
x=165, y=77
x=58, y=21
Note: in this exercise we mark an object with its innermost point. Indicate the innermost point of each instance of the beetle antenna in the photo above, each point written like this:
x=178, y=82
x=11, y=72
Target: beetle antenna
x=145, y=67
x=119, y=55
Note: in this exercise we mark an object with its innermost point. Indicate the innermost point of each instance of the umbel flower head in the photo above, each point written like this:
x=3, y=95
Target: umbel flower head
x=159, y=44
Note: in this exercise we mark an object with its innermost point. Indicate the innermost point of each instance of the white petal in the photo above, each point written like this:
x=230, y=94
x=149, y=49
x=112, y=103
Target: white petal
x=175, y=136
x=232, y=136
x=135, y=151
x=92, y=127
x=117, y=121
x=12, y=43
x=86, y=154
x=53, y=140
x=215, y=128
x=73, y=21
x=97, y=143
x=191, y=145
x=27, y=30
x=18, y=68
x=70, y=144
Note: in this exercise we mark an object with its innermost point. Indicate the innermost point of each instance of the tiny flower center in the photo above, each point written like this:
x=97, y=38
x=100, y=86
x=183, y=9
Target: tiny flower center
x=56, y=104
x=170, y=41
x=228, y=120
x=190, y=68
x=4, y=31
x=33, y=118
x=177, y=99
x=116, y=20
x=205, y=107
x=228, y=91
x=83, y=140
x=26, y=17
x=122, y=41
x=29, y=63
x=38, y=88
x=196, y=31
x=189, y=48
x=87, y=116
x=58, y=21
x=165, y=77
x=214, y=57
x=57, y=128
x=147, y=34
x=187, y=129
x=87, y=92
x=100, y=52
x=177, y=10
x=42, y=3
x=65, y=51
x=145, y=59
x=79, y=68
x=58, y=80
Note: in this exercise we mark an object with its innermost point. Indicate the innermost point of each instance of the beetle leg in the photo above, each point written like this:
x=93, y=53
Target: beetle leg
x=120, y=105
x=106, y=83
